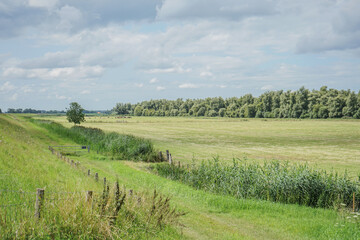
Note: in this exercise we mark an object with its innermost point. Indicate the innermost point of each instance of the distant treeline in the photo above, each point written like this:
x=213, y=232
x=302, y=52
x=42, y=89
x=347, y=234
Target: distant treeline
x=303, y=103
x=30, y=110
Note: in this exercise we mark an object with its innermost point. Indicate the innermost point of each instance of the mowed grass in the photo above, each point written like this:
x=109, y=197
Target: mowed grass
x=328, y=144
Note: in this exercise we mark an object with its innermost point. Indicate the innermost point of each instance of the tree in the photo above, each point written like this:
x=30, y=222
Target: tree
x=75, y=113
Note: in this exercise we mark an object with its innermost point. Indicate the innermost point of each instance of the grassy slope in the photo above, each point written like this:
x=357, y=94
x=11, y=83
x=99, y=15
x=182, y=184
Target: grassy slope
x=27, y=164
x=326, y=143
x=217, y=217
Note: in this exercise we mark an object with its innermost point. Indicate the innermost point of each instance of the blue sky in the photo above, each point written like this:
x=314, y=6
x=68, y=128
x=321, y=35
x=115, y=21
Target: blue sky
x=98, y=53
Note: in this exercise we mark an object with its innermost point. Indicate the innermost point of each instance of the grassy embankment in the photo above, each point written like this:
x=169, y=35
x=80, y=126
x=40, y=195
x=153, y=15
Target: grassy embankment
x=26, y=164
x=212, y=216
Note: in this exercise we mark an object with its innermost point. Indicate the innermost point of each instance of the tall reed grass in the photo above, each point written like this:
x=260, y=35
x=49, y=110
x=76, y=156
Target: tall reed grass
x=118, y=145
x=273, y=181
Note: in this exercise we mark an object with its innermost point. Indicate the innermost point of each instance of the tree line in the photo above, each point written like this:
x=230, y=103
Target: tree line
x=303, y=103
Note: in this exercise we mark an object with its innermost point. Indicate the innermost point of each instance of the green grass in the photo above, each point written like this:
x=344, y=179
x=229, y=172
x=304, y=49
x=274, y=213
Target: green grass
x=209, y=216
x=328, y=144
x=26, y=164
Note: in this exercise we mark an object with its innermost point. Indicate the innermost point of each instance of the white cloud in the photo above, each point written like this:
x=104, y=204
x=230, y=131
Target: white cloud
x=6, y=87
x=267, y=88
x=66, y=73
x=85, y=92
x=225, y=9
x=14, y=97
x=188, y=85
x=160, y=88
x=61, y=97
x=153, y=80
x=139, y=85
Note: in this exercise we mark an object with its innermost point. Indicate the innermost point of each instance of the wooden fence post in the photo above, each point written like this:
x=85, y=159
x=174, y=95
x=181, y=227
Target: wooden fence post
x=160, y=156
x=88, y=172
x=353, y=201
x=167, y=155
x=96, y=177
x=39, y=202
x=170, y=159
x=89, y=195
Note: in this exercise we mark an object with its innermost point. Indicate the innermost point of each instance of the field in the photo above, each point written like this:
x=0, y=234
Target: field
x=209, y=216
x=328, y=144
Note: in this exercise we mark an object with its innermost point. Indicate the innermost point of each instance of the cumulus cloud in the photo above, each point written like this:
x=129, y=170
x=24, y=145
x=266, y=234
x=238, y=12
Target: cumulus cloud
x=188, y=85
x=339, y=30
x=226, y=9
x=66, y=73
x=139, y=85
x=6, y=87
x=153, y=80
x=160, y=88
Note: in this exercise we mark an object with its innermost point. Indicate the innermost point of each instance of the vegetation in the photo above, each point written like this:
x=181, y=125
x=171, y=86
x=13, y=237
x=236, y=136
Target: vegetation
x=75, y=113
x=118, y=145
x=303, y=103
x=26, y=164
x=273, y=181
x=113, y=213
x=323, y=143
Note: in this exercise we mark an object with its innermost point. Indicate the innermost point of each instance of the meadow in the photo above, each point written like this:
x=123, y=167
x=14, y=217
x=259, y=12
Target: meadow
x=328, y=143
x=26, y=164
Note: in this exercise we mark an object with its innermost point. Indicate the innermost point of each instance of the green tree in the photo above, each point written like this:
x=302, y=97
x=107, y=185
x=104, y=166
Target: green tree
x=138, y=110
x=75, y=113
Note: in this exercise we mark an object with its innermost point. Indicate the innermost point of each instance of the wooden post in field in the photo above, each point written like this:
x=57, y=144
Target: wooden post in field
x=167, y=155
x=160, y=156
x=353, y=201
x=170, y=159
x=39, y=202
x=96, y=177
x=130, y=192
x=88, y=148
x=89, y=172
x=89, y=195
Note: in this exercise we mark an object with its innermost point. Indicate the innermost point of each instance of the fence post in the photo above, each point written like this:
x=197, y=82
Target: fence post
x=89, y=195
x=39, y=202
x=160, y=155
x=130, y=192
x=353, y=201
x=88, y=148
x=167, y=155
x=88, y=172
x=96, y=177
x=170, y=159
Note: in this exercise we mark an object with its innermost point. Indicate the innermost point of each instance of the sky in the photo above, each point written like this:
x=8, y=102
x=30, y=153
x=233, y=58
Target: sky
x=99, y=53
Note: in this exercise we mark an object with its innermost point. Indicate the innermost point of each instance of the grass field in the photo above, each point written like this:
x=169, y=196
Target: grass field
x=26, y=164
x=329, y=144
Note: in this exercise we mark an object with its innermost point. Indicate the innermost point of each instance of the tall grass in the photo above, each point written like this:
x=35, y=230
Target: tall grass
x=120, y=146
x=111, y=214
x=273, y=181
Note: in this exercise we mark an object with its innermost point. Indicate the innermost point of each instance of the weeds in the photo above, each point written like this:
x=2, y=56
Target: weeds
x=112, y=214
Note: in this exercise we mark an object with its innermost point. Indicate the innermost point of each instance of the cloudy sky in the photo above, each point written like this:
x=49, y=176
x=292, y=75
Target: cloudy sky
x=99, y=53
